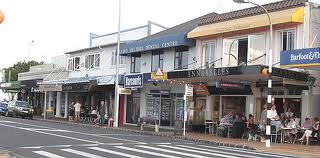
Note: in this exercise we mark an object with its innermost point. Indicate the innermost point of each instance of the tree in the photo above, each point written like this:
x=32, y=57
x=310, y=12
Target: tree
x=19, y=68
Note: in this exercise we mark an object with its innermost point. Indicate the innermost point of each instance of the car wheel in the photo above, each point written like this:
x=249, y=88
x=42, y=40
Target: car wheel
x=7, y=114
x=14, y=114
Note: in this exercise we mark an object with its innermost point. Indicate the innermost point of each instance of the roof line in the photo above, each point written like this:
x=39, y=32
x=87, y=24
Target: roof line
x=135, y=28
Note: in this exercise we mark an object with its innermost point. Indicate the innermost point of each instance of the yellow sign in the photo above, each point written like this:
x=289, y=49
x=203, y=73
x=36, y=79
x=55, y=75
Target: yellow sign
x=125, y=91
x=159, y=75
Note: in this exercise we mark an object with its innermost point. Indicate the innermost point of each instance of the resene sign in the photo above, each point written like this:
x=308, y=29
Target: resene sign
x=133, y=81
x=300, y=57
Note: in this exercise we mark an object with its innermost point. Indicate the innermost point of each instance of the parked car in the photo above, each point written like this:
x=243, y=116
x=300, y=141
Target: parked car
x=19, y=109
x=3, y=108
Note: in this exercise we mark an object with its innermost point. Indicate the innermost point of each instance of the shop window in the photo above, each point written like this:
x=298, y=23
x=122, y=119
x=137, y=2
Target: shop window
x=70, y=64
x=135, y=63
x=181, y=58
x=157, y=60
x=133, y=108
x=287, y=40
x=92, y=61
x=209, y=54
x=114, y=59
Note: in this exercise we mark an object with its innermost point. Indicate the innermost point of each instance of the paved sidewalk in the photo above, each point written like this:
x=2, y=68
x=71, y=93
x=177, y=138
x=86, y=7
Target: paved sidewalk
x=291, y=149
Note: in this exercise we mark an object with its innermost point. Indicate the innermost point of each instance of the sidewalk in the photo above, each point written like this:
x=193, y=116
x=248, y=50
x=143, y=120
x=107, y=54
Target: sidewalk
x=290, y=149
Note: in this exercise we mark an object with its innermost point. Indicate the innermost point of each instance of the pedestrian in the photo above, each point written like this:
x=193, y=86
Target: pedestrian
x=102, y=112
x=71, y=111
x=77, y=109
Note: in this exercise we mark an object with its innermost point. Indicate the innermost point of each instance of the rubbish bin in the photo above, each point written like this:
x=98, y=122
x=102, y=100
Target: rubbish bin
x=178, y=125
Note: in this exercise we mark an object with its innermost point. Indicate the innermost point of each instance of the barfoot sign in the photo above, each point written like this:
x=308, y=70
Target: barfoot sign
x=300, y=57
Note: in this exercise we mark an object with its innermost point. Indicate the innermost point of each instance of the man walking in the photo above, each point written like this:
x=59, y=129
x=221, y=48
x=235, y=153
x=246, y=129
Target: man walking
x=102, y=112
x=77, y=108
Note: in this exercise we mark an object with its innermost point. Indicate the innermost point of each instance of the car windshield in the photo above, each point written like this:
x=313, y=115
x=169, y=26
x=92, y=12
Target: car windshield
x=22, y=104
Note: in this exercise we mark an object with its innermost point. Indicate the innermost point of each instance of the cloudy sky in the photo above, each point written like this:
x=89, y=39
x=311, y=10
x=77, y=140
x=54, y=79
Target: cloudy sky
x=57, y=26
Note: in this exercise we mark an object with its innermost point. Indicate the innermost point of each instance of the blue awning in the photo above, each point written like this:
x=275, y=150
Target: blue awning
x=300, y=58
x=178, y=39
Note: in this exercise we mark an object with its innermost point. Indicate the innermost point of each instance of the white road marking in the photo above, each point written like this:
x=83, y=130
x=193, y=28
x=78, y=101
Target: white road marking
x=216, y=151
x=84, y=154
x=244, y=151
x=200, y=152
x=146, y=152
x=171, y=151
x=96, y=135
x=47, y=154
x=114, y=152
x=163, y=143
x=95, y=142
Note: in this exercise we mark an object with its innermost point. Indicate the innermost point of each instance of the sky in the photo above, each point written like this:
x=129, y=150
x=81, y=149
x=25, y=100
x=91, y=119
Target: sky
x=41, y=29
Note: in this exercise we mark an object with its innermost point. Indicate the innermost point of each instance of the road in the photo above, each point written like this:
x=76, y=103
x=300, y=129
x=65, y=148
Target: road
x=39, y=139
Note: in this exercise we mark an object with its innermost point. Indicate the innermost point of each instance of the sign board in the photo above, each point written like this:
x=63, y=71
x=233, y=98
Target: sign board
x=229, y=85
x=125, y=91
x=159, y=75
x=300, y=57
x=75, y=87
x=201, y=89
x=133, y=81
x=50, y=87
x=188, y=90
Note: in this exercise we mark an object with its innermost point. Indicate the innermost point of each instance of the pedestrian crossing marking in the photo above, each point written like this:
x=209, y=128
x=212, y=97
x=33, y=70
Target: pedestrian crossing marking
x=47, y=154
x=146, y=152
x=216, y=151
x=173, y=152
x=82, y=153
x=196, y=151
x=114, y=152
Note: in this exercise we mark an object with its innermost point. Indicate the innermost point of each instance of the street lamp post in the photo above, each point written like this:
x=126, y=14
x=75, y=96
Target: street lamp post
x=269, y=98
x=29, y=49
x=116, y=86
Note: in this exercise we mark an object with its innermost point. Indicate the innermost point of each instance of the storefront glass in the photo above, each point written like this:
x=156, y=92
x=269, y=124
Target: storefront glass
x=234, y=104
x=133, y=108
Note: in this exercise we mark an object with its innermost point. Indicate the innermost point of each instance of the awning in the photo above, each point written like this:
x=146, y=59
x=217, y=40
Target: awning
x=178, y=39
x=294, y=15
x=309, y=58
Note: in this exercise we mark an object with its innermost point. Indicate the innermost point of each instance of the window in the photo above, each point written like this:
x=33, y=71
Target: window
x=209, y=54
x=92, y=61
x=181, y=58
x=114, y=59
x=287, y=40
x=74, y=63
x=135, y=63
x=157, y=60
x=70, y=64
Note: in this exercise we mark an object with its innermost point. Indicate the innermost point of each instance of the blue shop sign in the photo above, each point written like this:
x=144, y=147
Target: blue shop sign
x=300, y=57
x=133, y=81
x=178, y=39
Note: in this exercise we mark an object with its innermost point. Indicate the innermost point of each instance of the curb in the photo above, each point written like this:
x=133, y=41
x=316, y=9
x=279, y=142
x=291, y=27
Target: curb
x=239, y=146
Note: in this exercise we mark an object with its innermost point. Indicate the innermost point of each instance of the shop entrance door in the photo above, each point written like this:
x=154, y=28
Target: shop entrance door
x=166, y=111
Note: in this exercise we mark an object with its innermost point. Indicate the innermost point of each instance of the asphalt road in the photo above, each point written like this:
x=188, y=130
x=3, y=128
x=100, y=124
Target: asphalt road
x=38, y=139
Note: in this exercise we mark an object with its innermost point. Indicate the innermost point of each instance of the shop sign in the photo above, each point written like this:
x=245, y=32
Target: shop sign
x=133, y=81
x=230, y=85
x=125, y=91
x=75, y=87
x=159, y=75
x=300, y=57
x=50, y=87
x=201, y=89
x=188, y=90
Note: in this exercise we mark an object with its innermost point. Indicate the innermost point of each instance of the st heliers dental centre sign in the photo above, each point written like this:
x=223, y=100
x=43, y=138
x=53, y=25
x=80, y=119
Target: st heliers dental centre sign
x=300, y=57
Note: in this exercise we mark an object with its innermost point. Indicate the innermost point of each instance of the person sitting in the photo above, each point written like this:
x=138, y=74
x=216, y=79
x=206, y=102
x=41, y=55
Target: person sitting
x=312, y=132
x=307, y=124
x=275, y=120
x=263, y=122
x=238, y=126
x=252, y=128
x=289, y=113
x=288, y=133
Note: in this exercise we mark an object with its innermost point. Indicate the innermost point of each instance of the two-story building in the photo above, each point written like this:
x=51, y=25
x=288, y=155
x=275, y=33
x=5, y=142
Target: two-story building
x=148, y=62
x=92, y=70
x=238, y=42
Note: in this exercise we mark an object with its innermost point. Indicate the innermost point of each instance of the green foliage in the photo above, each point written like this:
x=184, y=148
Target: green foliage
x=19, y=68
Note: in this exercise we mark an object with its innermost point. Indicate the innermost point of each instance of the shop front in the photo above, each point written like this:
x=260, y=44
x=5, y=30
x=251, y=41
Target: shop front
x=239, y=90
